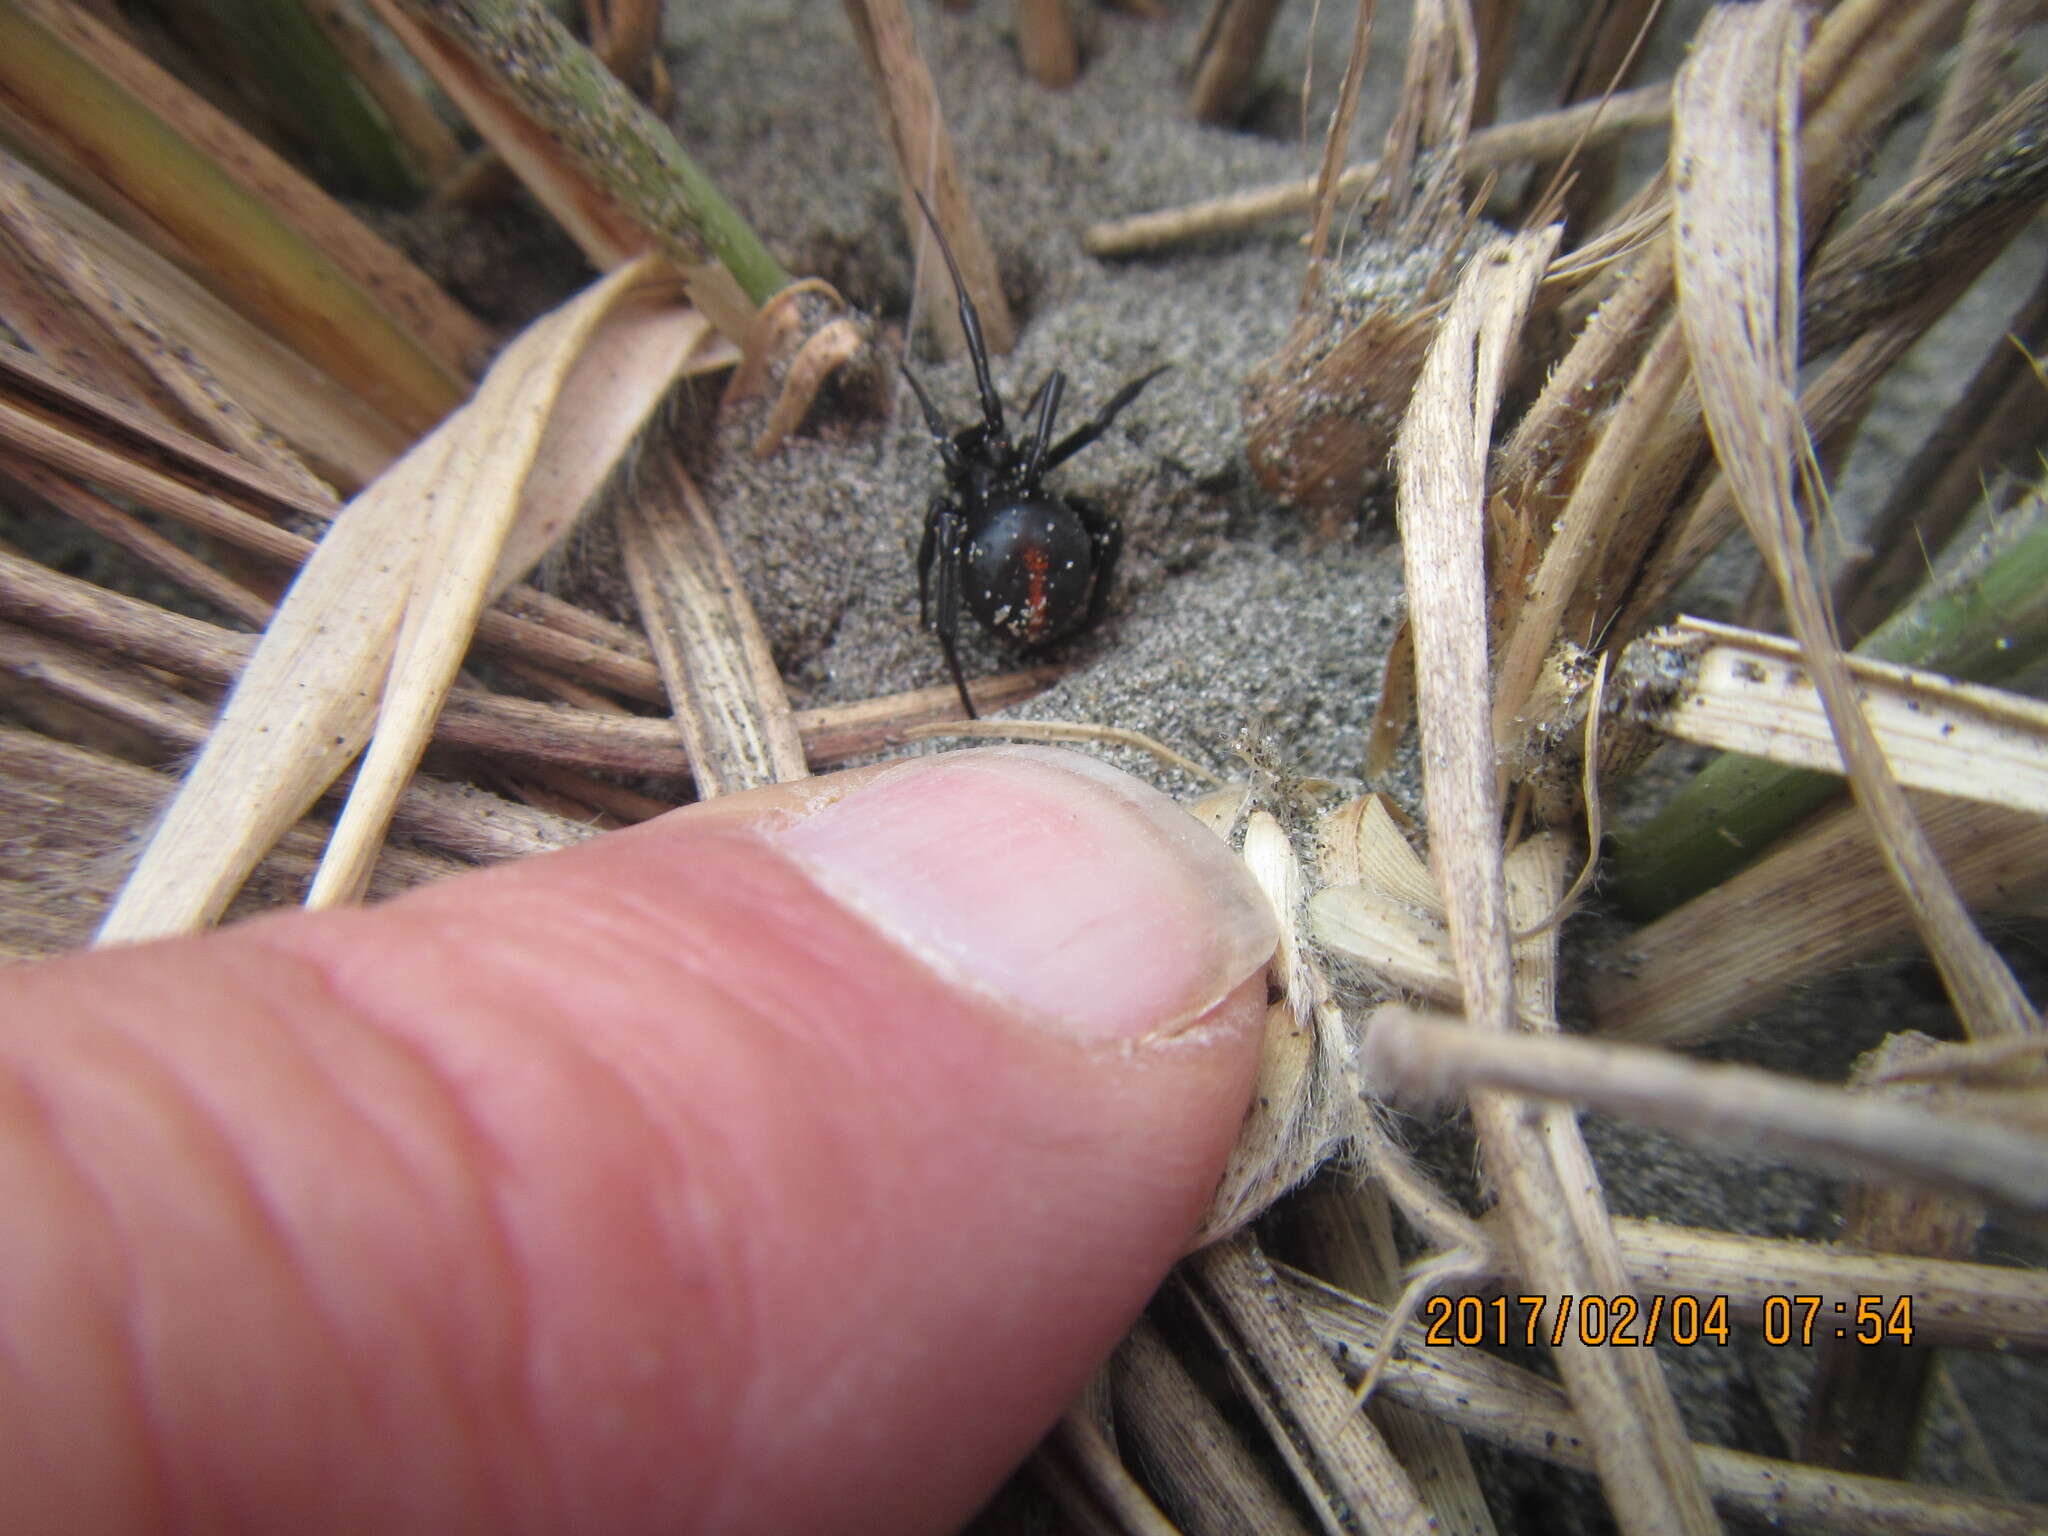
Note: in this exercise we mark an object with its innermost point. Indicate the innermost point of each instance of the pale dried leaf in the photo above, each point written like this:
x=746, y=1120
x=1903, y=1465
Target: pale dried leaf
x=304, y=705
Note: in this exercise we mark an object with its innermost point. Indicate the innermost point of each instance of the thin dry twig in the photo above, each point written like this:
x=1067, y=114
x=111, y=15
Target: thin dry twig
x=1735, y=1107
x=1488, y=149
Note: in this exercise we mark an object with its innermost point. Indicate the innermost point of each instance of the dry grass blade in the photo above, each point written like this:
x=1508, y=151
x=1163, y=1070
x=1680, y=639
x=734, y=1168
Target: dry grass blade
x=1736, y=239
x=1586, y=525
x=138, y=538
x=1818, y=902
x=305, y=703
x=1211, y=1484
x=1336, y=145
x=438, y=324
x=1092, y=1461
x=723, y=686
x=1544, y=1179
x=1344, y=1229
x=179, y=385
x=520, y=464
x=1441, y=456
x=1740, y=1108
x=604, y=742
x=1338, y=1456
x=1751, y=693
x=1879, y=287
x=346, y=436
x=1511, y=1407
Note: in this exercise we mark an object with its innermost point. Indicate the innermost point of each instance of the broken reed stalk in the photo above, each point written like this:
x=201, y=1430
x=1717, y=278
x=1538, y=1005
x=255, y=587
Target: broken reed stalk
x=1984, y=620
x=1732, y=1107
x=1753, y=694
x=724, y=689
x=922, y=152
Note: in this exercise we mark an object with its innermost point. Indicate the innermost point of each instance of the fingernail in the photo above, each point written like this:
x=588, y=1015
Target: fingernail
x=1085, y=900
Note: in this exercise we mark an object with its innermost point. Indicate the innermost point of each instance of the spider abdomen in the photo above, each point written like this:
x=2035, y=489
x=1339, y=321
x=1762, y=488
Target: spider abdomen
x=1029, y=566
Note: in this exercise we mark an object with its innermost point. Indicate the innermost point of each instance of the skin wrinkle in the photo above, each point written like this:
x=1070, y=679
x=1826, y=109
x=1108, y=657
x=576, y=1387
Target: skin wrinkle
x=115, y=1314
x=169, y=1107
x=468, y=1150
x=608, y=919
x=604, y=937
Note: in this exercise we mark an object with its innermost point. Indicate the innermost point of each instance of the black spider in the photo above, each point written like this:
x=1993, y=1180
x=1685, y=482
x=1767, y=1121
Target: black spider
x=1034, y=565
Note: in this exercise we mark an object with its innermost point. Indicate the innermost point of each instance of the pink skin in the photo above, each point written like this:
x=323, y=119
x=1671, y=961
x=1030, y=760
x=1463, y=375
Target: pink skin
x=645, y=1186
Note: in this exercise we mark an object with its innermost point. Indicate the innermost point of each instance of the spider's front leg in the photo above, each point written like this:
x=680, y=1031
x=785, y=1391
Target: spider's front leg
x=1106, y=544
x=938, y=586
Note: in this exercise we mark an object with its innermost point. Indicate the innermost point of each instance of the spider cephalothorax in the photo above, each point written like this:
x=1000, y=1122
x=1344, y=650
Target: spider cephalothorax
x=1029, y=564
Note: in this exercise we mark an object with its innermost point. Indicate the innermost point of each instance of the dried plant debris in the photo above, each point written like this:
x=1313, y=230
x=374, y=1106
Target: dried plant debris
x=1562, y=425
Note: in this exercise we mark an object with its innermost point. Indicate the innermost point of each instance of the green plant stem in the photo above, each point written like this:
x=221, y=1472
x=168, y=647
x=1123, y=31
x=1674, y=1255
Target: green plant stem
x=259, y=264
x=622, y=146
x=1983, y=622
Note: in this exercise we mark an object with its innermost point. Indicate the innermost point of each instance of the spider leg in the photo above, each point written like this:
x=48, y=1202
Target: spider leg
x=938, y=579
x=1106, y=536
x=970, y=324
x=932, y=418
x=1047, y=404
x=1081, y=437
